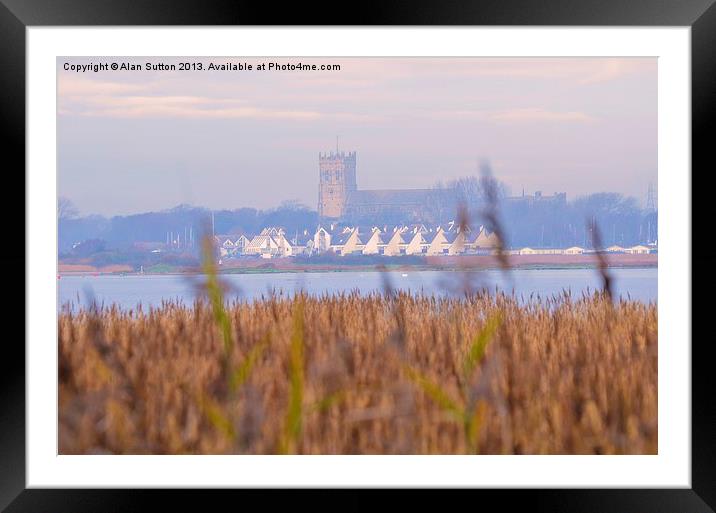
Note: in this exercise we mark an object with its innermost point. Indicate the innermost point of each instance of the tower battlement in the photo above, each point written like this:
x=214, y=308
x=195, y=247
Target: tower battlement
x=333, y=155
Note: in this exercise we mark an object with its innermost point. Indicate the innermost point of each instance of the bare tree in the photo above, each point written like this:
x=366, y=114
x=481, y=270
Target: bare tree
x=468, y=190
x=66, y=209
x=439, y=203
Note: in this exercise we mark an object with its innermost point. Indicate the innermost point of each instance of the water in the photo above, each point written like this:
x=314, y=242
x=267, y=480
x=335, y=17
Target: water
x=151, y=290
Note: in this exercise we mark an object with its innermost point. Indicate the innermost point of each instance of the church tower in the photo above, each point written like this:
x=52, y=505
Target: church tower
x=337, y=179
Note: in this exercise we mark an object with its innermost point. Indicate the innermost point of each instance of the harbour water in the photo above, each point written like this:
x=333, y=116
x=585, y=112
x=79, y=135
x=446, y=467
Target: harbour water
x=151, y=290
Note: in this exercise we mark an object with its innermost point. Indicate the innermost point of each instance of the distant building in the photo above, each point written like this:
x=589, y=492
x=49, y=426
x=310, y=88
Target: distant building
x=338, y=193
x=337, y=179
x=408, y=203
x=343, y=239
x=240, y=244
x=483, y=240
x=527, y=251
x=373, y=242
x=638, y=250
x=439, y=243
x=302, y=243
x=271, y=242
x=574, y=250
x=339, y=196
x=615, y=249
x=455, y=244
x=395, y=245
x=538, y=198
x=419, y=240
x=227, y=247
x=347, y=242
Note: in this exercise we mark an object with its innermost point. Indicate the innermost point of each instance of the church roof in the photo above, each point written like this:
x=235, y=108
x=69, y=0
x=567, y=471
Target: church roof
x=450, y=236
x=341, y=238
x=388, y=197
x=302, y=238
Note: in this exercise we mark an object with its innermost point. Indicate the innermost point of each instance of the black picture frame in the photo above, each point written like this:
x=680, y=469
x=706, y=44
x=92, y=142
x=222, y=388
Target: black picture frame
x=17, y=15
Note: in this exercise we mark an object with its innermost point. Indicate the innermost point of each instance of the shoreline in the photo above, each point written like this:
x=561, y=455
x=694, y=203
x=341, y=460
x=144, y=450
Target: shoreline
x=442, y=263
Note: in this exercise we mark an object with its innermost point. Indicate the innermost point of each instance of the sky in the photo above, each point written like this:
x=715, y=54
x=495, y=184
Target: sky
x=151, y=139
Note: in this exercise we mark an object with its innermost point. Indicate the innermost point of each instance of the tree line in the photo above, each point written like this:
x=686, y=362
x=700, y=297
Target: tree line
x=543, y=223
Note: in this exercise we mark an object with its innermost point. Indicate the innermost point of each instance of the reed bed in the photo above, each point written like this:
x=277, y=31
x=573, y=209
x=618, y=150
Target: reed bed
x=350, y=374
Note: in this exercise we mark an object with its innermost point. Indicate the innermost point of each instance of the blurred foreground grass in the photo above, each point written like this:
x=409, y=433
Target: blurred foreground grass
x=349, y=374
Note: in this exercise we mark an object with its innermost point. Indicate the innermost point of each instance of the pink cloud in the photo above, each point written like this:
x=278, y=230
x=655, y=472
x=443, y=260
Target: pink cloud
x=540, y=115
x=73, y=86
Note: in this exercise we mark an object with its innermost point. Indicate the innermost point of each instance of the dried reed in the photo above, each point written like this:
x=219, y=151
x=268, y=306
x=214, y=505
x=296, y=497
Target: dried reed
x=320, y=375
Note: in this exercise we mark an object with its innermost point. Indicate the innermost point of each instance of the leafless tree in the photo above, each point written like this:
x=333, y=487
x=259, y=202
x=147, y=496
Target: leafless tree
x=66, y=209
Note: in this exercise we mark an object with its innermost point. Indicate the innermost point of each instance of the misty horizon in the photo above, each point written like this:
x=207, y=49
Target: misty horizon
x=150, y=141
x=289, y=203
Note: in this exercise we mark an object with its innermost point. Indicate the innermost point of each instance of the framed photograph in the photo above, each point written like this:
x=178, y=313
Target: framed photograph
x=418, y=249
